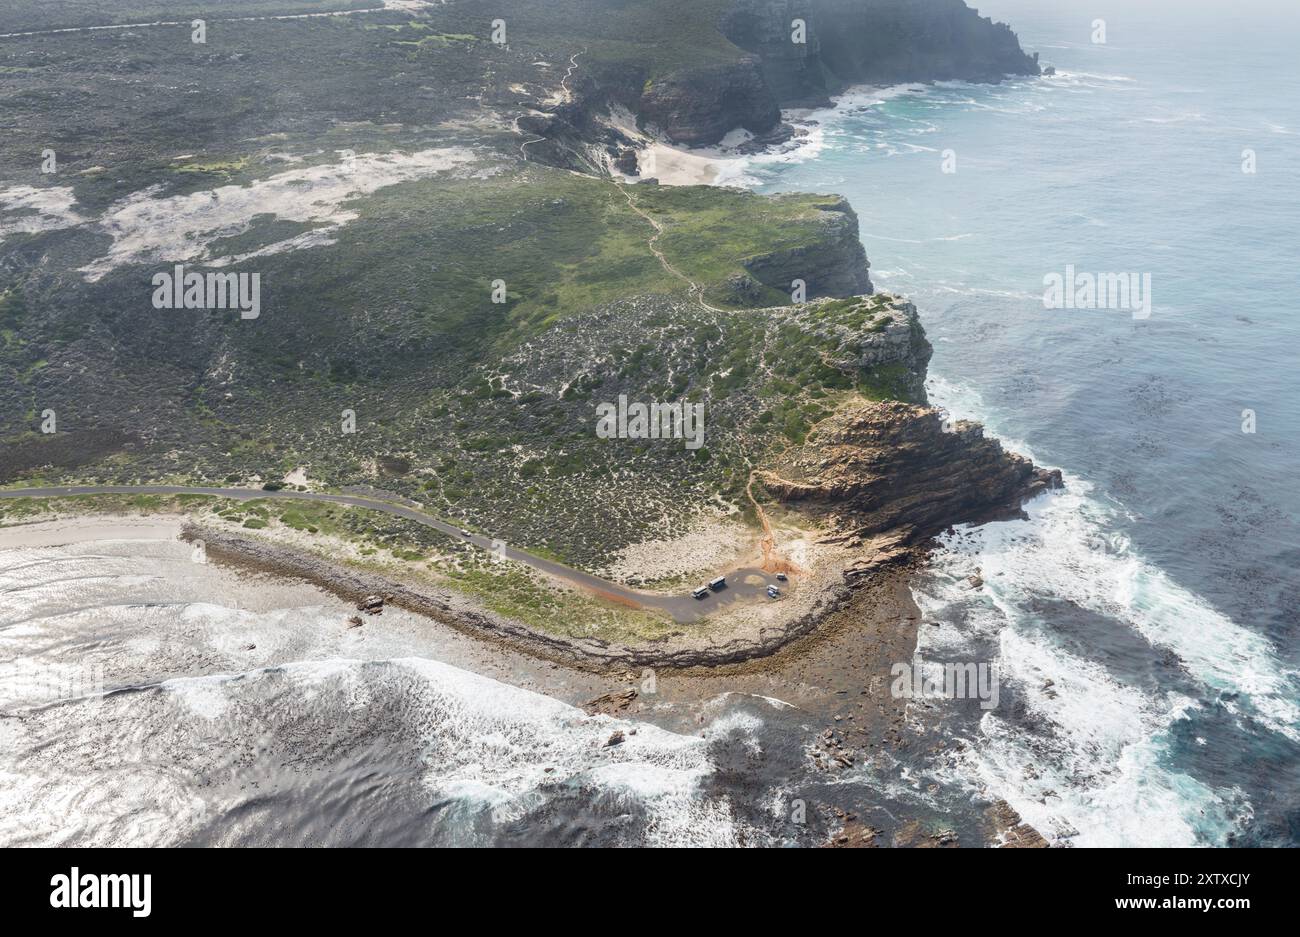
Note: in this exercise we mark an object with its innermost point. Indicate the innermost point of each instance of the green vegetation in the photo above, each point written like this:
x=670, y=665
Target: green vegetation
x=711, y=231
x=888, y=382
x=483, y=411
x=13, y=310
x=26, y=15
x=220, y=167
x=520, y=593
x=654, y=38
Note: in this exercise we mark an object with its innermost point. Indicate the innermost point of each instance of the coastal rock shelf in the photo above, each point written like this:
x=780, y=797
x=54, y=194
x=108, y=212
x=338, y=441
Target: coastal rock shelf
x=903, y=469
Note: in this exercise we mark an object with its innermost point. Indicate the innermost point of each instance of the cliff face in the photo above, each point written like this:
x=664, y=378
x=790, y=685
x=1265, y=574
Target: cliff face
x=885, y=466
x=700, y=106
x=835, y=266
x=890, y=41
x=846, y=42
x=793, y=71
x=899, y=468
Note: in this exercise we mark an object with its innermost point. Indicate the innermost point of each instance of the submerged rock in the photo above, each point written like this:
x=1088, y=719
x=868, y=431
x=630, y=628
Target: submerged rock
x=610, y=703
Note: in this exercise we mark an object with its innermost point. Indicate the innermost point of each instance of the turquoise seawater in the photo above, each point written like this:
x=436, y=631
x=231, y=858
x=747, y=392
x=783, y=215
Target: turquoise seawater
x=1145, y=621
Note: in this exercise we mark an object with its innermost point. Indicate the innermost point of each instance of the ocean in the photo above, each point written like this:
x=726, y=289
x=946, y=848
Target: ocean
x=152, y=701
x=1144, y=620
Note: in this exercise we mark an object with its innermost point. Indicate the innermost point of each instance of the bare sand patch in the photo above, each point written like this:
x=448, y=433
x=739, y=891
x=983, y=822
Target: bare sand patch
x=147, y=228
x=679, y=165
x=26, y=209
x=714, y=543
x=83, y=529
x=673, y=166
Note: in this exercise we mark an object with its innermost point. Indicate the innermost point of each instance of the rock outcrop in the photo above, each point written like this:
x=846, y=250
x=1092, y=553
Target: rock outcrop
x=841, y=43
x=611, y=704
x=899, y=348
x=1012, y=831
x=836, y=265
x=471, y=617
x=793, y=70
x=700, y=106
x=902, y=469
x=891, y=41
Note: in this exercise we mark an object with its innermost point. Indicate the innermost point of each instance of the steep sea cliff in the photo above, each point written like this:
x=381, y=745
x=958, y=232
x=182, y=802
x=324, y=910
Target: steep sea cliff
x=800, y=52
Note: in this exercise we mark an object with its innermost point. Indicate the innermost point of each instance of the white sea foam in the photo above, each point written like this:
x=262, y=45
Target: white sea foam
x=1089, y=772
x=490, y=749
x=490, y=736
x=1070, y=549
x=203, y=672
x=725, y=165
x=1065, y=76
x=205, y=697
x=1095, y=773
x=881, y=237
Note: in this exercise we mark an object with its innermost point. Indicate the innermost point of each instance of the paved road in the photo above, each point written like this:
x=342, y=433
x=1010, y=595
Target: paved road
x=742, y=584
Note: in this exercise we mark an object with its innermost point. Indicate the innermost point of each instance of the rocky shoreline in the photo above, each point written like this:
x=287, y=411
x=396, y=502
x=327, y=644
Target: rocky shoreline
x=878, y=478
x=834, y=677
x=782, y=64
x=904, y=471
x=358, y=587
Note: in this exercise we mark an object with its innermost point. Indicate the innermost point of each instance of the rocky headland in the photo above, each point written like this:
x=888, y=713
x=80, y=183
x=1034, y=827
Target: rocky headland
x=903, y=469
x=481, y=410
x=799, y=53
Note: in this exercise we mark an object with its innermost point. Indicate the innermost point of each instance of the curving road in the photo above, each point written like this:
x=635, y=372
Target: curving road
x=746, y=583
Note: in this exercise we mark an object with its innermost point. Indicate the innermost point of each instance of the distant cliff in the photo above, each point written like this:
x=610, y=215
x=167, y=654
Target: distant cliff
x=846, y=42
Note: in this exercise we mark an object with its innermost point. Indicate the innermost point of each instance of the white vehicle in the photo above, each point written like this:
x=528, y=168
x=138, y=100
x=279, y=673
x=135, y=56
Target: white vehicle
x=719, y=583
x=701, y=592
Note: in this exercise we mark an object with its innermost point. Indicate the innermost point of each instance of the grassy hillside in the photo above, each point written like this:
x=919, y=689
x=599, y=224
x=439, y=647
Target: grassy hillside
x=656, y=37
x=29, y=15
x=377, y=282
